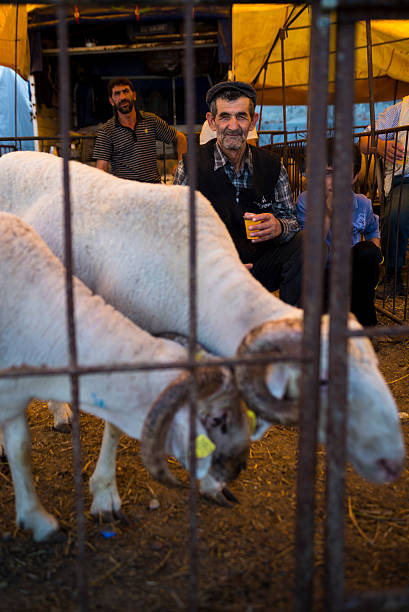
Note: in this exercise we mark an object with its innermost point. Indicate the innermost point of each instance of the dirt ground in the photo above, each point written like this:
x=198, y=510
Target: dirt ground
x=246, y=553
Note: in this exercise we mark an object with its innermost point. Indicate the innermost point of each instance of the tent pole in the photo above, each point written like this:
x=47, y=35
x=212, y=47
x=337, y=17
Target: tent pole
x=395, y=93
x=286, y=25
x=262, y=102
x=377, y=169
x=264, y=66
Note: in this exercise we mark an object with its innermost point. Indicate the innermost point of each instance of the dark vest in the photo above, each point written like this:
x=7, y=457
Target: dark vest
x=222, y=194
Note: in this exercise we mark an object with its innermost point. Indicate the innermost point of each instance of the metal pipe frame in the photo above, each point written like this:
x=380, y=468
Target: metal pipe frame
x=313, y=280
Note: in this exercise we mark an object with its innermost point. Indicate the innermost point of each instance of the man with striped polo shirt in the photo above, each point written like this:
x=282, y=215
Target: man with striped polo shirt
x=128, y=140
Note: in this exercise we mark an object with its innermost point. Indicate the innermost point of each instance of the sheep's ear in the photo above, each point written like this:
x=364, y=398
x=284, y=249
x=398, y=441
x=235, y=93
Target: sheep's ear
x=178, y=443
x=258, y=425
x=204, y=458
x=278, y=378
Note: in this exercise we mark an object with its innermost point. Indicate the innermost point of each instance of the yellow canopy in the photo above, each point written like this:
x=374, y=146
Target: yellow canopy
x=256, y=37
x=13, y=26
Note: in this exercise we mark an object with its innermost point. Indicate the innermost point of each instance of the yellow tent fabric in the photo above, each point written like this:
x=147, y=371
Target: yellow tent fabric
x=17, y=58
x=256, y=38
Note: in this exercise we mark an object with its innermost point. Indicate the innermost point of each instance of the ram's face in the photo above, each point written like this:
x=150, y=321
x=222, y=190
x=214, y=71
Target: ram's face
x=228, y=427
x=374, y=439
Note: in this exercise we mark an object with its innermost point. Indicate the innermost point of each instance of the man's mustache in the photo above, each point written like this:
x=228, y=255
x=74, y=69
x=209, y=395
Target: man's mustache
x=238, y=132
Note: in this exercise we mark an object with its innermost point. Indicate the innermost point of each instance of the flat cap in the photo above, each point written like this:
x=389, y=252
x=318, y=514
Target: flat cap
x=244, y=88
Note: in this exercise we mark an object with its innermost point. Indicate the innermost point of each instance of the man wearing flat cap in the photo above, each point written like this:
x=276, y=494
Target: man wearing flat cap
x=245, y=182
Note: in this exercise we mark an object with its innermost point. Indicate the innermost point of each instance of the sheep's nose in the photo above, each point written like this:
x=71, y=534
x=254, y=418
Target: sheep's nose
x=391, y=468
x=242, y=466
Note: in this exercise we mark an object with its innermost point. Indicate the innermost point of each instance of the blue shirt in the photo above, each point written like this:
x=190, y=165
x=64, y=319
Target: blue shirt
x=364, y=222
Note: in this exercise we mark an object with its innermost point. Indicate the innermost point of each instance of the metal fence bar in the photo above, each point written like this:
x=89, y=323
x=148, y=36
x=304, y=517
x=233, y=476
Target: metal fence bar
x=15, y=73
x=313, y=283
x=312, y=288
x=339, y=308
x=64, y=101
x=190, y=105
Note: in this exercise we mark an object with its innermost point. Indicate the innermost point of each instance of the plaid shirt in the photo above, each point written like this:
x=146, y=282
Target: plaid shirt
x=284, y=208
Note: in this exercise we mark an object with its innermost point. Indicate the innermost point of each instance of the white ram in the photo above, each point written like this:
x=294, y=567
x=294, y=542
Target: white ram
x=152, y=405
x=131, y=246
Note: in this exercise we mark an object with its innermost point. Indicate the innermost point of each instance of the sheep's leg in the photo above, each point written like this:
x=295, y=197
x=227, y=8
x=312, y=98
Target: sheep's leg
x=3, y=456
x=30, y=513
x=106, y=503
x=62, y=416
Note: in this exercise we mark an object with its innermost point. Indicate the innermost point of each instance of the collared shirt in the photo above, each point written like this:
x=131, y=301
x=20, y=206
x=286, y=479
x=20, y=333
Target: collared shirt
x=243, y=179
x=364, y=222
x=132, y=152
x=389, y=118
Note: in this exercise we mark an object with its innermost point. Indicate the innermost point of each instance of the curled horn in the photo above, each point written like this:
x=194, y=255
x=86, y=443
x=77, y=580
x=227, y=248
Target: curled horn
x=279, y=339
x=159, y=418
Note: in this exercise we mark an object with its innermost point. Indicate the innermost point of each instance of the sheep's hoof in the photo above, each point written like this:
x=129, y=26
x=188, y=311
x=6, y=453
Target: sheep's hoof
x=218, y=498
x=62, y=427
x=121, y=517
x=109, y=516
x=56, y=537
x=229, y=495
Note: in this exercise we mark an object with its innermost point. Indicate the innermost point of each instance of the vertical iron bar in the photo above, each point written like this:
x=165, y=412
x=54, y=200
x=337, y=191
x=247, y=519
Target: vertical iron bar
x=64, y=103
x=371, y=104
x=340, y=274
x=262, y=98
x=174, y=101
x=15, y=73
x=312, y=287
x=190, y=106
x=396, y=232
x=370, y=79
x=285, y=152
x=395, y=91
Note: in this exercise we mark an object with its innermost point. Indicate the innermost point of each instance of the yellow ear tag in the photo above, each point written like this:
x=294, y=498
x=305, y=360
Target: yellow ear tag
x=253, y=421
x=204, y=446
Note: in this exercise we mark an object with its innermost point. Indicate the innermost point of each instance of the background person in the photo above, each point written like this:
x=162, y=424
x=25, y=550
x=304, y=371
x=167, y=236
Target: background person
x=243, y=181
x=366, y=254
x=128, y=140
x=395, y=226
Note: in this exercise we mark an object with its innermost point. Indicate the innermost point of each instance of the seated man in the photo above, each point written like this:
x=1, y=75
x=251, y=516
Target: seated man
x=395, y=226
x=242, y=181
x=366, y=254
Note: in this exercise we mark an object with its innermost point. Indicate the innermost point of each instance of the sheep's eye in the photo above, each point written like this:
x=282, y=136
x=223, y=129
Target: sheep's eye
x=220, y=422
